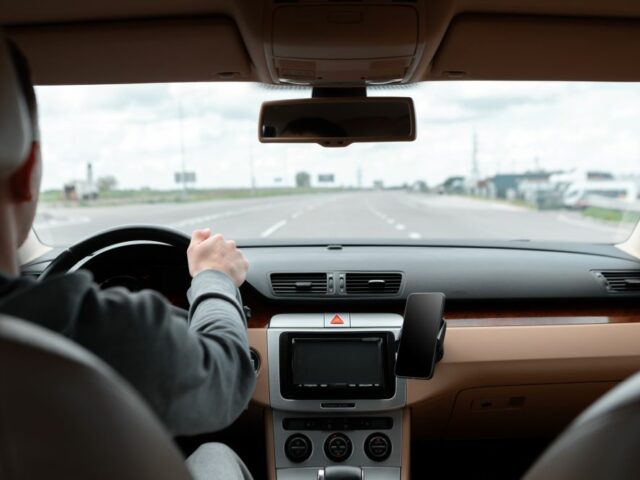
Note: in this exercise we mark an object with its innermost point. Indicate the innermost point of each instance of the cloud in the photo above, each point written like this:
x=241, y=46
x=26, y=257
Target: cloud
x=495, y=104
x=134, y=133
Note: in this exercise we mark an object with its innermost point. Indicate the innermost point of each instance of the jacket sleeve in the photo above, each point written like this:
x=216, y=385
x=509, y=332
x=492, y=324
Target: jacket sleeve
x=197, y=375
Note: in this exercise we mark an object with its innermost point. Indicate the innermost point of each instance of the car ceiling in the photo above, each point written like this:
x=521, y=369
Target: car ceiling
x=325, y=43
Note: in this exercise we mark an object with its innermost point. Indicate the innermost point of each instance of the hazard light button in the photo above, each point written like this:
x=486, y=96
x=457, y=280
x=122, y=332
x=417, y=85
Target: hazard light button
x=337, y=320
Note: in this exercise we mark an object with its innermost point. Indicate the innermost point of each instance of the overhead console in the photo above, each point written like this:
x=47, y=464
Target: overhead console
x=318, y=43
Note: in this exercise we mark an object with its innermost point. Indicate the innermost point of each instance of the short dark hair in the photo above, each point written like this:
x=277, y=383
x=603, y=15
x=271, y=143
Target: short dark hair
x=23, y=72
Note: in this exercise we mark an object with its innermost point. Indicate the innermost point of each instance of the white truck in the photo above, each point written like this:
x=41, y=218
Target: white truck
x=587, y=193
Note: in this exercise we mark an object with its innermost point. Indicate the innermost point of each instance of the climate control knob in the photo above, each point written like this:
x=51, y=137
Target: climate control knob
x=377, y=446
x=297, y=448
x=337, y=447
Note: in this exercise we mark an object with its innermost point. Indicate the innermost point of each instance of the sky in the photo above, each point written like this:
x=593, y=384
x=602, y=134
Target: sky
x=133, y=133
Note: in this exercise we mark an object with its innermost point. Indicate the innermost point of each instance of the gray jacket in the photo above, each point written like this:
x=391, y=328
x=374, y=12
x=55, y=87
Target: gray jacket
x=195, y=373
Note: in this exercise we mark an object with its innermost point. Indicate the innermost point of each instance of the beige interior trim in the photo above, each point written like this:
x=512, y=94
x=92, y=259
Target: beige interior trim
x=632, y=244
x=525, y=47
x=532, y=411
x=405, y=462
x=578, y=362
x=271, y=451
x=258, y=341
x=531, y=355
x=32, y=248
x=535, y=49
x=479, y=357
x=185, y=50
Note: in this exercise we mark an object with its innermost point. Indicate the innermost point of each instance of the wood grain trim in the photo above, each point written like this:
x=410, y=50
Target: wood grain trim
x=530, y=321
x=472, y=316
x=258, y=341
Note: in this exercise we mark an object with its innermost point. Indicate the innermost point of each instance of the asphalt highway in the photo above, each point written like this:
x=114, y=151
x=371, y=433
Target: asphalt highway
x=360, y=214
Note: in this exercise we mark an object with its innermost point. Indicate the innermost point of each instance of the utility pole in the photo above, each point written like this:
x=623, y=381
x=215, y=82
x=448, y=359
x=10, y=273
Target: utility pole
x=475, y=169
x=182, y=155
x=536, y=163
x=251, y=168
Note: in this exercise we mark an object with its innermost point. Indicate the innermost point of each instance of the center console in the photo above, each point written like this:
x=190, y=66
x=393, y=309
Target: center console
x=337, y=404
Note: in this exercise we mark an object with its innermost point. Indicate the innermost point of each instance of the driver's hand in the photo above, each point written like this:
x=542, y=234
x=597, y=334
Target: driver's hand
x=208, y=252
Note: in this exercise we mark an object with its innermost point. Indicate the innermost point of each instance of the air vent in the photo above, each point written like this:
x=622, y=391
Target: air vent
x=299, y=283
x=621, y=280
x=373, y=283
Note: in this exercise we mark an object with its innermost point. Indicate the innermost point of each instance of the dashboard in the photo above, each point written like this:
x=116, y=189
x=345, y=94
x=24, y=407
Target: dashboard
x=536, y=333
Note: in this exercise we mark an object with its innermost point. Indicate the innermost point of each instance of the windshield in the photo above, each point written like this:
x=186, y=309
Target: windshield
x=492, y=161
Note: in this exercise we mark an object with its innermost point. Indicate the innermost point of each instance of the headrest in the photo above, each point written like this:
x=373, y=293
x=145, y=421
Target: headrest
x=15, y=124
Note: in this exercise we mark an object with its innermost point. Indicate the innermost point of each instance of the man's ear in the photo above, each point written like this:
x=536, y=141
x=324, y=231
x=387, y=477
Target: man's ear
x=23, y=183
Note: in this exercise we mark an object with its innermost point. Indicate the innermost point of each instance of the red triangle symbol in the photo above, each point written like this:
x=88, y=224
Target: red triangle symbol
x=336, y=320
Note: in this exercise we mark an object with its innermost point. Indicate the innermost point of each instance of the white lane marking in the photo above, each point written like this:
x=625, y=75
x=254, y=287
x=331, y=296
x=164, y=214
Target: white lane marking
x=391, y=221
x=376, y=212
x=587, y=224
x=415, y=235
x=400, y=227
x=52, y=222
x=295, y=215
x=273, y=228
x=204, y=219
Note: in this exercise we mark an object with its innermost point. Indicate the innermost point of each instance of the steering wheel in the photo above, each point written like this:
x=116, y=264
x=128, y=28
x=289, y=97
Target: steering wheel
x=76, y=253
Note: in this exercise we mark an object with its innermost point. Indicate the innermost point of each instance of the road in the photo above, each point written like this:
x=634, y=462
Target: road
x=364, y=214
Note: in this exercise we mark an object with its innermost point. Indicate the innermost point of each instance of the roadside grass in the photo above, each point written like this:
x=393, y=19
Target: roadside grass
x=516, y=202
x=128, y=197
x=617, y=216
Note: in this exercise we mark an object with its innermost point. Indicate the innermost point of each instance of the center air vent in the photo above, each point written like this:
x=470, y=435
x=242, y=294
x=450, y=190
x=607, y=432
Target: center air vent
x=373, y=283
x=299, y=283
x=621, y=280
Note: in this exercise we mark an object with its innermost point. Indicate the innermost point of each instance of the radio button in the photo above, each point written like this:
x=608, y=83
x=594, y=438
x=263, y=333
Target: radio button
x=377, y=446
x=338, y=447
x=297, y=448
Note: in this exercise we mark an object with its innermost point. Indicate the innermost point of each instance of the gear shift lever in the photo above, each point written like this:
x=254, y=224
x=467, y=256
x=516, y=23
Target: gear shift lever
x=339, y=472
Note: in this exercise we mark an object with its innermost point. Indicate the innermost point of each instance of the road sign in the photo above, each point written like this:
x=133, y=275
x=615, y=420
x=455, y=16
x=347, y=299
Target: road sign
x=326, y=178
x=185, y=177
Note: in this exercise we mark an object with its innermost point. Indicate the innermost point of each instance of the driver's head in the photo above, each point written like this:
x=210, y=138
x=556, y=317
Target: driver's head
x=20, y=164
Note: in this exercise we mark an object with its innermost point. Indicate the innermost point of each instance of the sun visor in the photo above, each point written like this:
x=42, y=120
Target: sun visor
x=189, y=50
x=15, y=127
x=524, y=47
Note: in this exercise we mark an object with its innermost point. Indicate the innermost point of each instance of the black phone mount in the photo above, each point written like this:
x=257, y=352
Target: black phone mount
x=439, y=352
x=440, y=340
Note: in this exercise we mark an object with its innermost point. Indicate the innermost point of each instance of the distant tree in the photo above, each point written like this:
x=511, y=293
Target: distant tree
x=303, y=179
x=107, y=183
x=420, y=186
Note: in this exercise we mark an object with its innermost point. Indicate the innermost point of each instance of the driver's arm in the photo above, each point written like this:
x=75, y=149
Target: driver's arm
x=197, y=377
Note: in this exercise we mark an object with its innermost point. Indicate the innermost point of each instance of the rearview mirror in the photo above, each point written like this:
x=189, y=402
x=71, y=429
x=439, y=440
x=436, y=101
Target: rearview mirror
x=338, y=122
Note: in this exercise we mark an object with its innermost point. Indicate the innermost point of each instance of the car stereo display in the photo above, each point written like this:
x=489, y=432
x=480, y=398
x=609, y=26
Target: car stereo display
x=337, y=366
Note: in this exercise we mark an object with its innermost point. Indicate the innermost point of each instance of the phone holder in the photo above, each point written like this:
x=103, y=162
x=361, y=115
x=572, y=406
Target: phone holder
x=440, y=340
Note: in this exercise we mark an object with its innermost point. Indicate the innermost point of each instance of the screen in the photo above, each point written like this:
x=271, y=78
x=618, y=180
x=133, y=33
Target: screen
x=337, y=362
x=418, y=340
